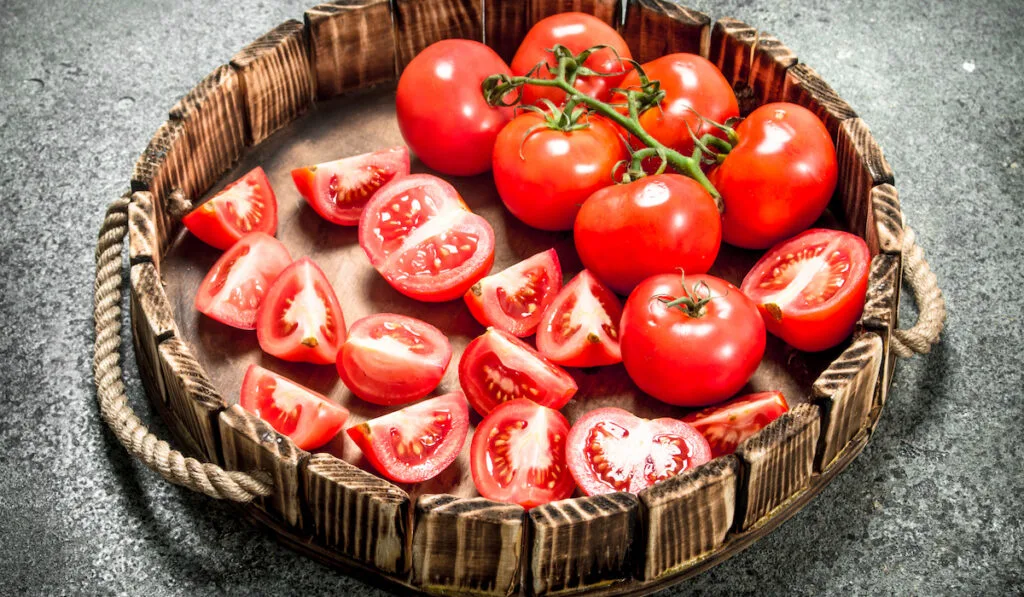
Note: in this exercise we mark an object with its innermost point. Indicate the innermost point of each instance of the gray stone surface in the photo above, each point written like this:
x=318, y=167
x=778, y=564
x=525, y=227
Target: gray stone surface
x=933, y=506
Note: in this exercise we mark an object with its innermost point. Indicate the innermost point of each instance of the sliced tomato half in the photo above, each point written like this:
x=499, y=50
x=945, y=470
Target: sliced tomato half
x=581, y=327
x=301, y=319
x=393, y=359
x=726, y=425
x=244, y=206
x=810, y=289
x=611, y=450
x=497, y=367
x=515, y=298
x=418, y=442
x=236, y=285
x=308, y=418
x=419, y=234
x=518, y=455
x=339, y=190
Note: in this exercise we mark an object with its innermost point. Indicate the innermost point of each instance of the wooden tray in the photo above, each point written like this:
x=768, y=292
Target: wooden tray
x=313, y=91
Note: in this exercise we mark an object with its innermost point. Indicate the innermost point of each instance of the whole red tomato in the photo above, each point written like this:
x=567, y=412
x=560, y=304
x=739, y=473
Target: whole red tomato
x=778, y=179
x=696, y=352
x=658, y=224
x=442, y=113
x=544, y=175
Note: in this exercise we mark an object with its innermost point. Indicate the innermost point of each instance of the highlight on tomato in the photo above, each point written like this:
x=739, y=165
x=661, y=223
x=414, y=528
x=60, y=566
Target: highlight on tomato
x=236, y=285
x=810, y=289
x=339, y=190
x=727, y=425
x=610, y=449
x=246, y=205
x=514, y=299
x=518, y=455
x=308, y=418
x=300, y=319
x=418, y=442
x=581, y=327
x=393, y=359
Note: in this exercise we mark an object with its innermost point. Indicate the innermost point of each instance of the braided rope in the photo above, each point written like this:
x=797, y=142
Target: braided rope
x=931, y=305
x=110, y=391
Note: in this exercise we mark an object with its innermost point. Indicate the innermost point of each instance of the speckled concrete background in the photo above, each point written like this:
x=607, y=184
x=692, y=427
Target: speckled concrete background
x=933, y=506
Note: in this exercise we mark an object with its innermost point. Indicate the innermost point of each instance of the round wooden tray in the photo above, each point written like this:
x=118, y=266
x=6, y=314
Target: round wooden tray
x=315, y=91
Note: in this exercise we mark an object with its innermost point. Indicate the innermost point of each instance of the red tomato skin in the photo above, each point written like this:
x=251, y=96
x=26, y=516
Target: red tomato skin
x=392, y=163
x=272, y=258
x=778, y=179
x=627, y=233
x=441, y=109
x=598, y=347
x=725, y=426
x=328, y=418
x=212, y=223
x=483, y=300
x=685, y=361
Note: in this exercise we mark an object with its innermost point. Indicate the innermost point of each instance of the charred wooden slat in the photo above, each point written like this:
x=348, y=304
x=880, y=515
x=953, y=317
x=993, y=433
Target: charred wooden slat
x=142, y=235
x=802, y=85
x=772, y=59
x=152, y=318
x=165, y=166
x=861, y=168
x=608, y=11
x=582, y=543
x=888, y=217
x=655, y=28
x=467, y=545
x=192, y=399
x=687, y=517
x=505, y=26
x=357, y=513
x=846, y=392
x=276, y=78
x=351, y=45
x=419, y=23
x=881, y=310
x=754, y=62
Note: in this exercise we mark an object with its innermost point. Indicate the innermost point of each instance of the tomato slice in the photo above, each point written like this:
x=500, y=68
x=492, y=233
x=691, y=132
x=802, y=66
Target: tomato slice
x=518, y=455
x=233, y=289
x=810, y=289
x=610, y=449
x=497, y=367
x=301, y=319
x=515, y=298
x=393, y=359
x=726, y=425
x=244, y=206
x=308, y=418
x=418, y=442
x=339, y=190
x=419, y=234
x=581, y=327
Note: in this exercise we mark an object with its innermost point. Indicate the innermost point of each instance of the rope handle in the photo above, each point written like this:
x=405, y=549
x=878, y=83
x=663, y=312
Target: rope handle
x=931, y=305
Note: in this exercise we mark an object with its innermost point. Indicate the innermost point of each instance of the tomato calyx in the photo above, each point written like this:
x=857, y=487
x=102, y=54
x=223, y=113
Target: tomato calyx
x=693, y=300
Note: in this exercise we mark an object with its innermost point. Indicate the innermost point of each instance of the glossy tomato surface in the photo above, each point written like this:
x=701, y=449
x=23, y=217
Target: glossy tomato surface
x=627, y=233
x=235, y=286
x=393, y=359
x=339, y=190
x=417, y=442
x=421, y=237
x=515, y=298
x=441, y=109
x=581, y=327
x=518, y=455
x=308, y=418
x=244, y=206
x=610, y=449
x=778, y=179
x=726, y=425
x=810, y=289
x=690, y=360
x=497, y=367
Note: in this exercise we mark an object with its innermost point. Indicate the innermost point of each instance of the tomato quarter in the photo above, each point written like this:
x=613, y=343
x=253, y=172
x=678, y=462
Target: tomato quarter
x=726, y=425
x=244, y=206
x=339, y=190
x=581, y=327
x=308, y=418
x=515, y=298
x=235, y=286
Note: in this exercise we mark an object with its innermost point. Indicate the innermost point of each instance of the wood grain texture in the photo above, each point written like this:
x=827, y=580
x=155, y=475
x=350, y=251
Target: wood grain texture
x=163, y=167
x=505, y=26
x=152, y=318
x=419, y=23
x=467, y=546
x=351, y=45
x=143, y=242
x=276, y=78
x=608, y=11
x=888, y=218
x=881, y=313
x=802, y=85
x=776, y=464
x=582, y=543
x=687, y=517
x=655, y=28
x=861, y=168
x=357, y=513
x=193, y=401
x=754, y=62
x=772, y=59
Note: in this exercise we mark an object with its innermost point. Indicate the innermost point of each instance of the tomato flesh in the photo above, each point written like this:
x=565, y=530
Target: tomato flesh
x=339, y=190
x=514, y=299
x=236, y=285
x=581, y=327
x=308, y=418
x=246, y=205
x=727, y=425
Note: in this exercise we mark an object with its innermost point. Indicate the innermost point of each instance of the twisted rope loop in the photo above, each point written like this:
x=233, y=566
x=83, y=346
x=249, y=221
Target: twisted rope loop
x=931, y=305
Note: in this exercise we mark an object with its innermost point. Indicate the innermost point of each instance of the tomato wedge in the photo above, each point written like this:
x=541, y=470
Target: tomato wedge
x=244, y=206
x=515, y=298
x=726, y=425
x=233, y=289
x=518, y=455
x=301, y=319
x=308, y=418
x=418, y=442
x=393, y=359
x=419, y=234
x=581, y=327
x=810, y=289
x=610, y=449
x=497, y=367
x=339, y=190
